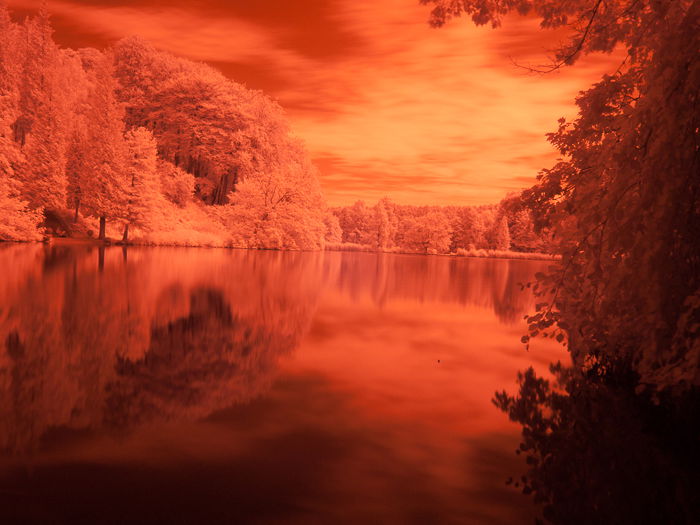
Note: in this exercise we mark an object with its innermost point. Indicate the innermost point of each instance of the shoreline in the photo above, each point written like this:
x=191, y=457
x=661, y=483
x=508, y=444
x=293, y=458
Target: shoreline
x=475, y=254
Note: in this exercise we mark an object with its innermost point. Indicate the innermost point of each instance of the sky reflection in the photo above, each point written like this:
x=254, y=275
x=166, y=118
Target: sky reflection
x=259, y=386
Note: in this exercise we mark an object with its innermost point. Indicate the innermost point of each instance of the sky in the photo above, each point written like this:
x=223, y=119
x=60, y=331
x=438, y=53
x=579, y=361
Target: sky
x=387, y=105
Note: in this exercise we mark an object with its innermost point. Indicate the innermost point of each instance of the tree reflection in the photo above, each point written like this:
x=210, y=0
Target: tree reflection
x=158, y=335
x=599, y=451
x=93, y=339
x=197, y=363
x=487, y=283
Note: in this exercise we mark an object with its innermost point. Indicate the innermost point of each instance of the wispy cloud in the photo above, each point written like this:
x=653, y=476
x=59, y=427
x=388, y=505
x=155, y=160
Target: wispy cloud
x=386, y=104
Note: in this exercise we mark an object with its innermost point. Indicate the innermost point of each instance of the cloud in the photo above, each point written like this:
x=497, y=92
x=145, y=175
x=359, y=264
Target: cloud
x=401, y=109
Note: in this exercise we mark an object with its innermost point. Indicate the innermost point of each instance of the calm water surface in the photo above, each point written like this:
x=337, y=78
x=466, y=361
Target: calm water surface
x=161, y=385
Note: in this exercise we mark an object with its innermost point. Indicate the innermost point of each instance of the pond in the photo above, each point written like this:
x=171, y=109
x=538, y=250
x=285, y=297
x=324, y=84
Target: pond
x=225, y=386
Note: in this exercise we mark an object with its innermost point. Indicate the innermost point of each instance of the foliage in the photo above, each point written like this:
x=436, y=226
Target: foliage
x=176, y=184
x=501, y=234
x=429, y=233
x=142, y=178
x=130, y=135
x=18, y=222
x=278, y=210
x=211, y=127
x=623, y=204
x=390, y=227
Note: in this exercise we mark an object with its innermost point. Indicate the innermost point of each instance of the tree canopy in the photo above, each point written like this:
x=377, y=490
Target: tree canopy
x=139, y=138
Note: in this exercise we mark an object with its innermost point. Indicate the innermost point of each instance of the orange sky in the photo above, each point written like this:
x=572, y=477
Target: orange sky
x=386, y=105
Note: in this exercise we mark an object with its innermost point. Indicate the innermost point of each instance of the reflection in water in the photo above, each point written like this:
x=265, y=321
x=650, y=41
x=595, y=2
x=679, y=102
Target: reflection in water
x=601, y=452
x=162, y=384
x=489, y=283
x=118, y=341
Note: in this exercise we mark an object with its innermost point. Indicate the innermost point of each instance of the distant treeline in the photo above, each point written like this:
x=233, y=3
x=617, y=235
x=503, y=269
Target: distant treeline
x=388, y=226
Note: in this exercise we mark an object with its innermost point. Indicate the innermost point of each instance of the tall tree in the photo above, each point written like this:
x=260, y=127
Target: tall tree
x=143, y=179
x=501, y=234
x=385, y=223
x=105, y=188
x=43, y=109
x=282, y=210
x=18, y=222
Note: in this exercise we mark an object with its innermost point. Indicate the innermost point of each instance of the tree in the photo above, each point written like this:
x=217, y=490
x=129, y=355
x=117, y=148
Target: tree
x=385, y=222
x=76, y=166
x=628, y=179
x=143, y=179
x=355, y=222
x=63, y=116
x=176, y=184
x=471, y=228
x=334, y=233
x=18, y=222
x=105, y=188
x=206, y=124
x=501, y=234
x=523, y=236
x=9, y=75
x=42, y=108
x=279, y=210
x=428, y=233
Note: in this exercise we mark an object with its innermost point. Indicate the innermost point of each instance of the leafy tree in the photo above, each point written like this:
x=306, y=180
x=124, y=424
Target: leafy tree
x=501, y=234
x=63, y=118
x=428, y=233
x=9, y=74
x=523, y=236
x=355, y=222
x=471, y=227
x=176, y=184
x=334, y=232
x=206, y=124
x=143, y=179
x=281, y=210
x=624, y=204
x=42, y=109
x=105, y=188
x=385, y=222
x=18, y=222
x=76, y=165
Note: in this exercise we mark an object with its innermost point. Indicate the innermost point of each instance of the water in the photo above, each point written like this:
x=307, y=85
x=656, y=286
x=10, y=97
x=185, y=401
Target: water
x=219, y=386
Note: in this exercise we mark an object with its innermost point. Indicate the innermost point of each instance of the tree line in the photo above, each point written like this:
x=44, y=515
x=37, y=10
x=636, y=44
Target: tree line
x=387, y=226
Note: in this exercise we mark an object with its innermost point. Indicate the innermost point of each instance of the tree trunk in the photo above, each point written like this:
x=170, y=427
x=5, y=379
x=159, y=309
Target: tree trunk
x=223, y=188
x=77, y=207
x=125, y=237
x=103, y=224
